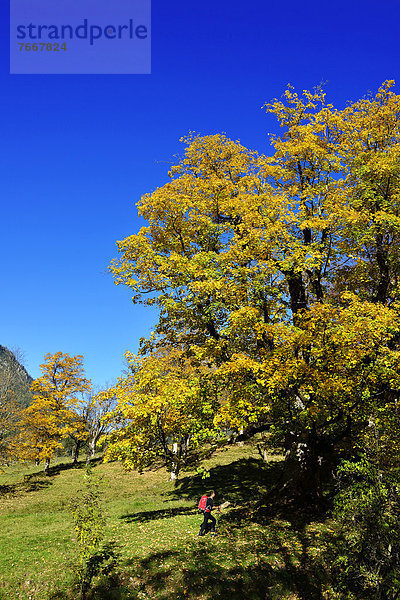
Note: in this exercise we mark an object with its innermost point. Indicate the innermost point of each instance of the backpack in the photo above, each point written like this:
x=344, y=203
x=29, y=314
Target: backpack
x=202, y=503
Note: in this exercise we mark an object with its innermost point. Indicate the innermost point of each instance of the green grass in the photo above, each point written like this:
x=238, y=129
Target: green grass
x=265, y=550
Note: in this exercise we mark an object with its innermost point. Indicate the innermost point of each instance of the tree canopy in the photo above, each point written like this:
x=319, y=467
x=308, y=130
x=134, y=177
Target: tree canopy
x=55, y=412
x=164, y=409
x=281, y=272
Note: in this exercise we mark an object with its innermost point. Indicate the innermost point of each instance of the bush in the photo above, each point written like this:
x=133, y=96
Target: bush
x=366, y=551
x=93, y=556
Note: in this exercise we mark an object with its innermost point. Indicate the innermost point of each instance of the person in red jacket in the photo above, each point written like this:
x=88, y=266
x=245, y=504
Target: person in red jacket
x=208, y=516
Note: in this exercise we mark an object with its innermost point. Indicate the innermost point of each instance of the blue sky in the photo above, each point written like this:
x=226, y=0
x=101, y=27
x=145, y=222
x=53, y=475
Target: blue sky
x=78, y=151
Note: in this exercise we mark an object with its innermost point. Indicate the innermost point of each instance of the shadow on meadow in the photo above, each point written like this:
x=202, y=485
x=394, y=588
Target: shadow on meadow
x=263, y=551
x=67, y=466
x=258, y=566
x=39, y=480
x=153, y=515
x=108, y=588
x=31, y=483
x=255, y=488
x=271, y=564
x=241, y=482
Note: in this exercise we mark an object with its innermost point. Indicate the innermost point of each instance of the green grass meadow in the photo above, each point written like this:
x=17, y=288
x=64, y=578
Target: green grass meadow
x=266, y=549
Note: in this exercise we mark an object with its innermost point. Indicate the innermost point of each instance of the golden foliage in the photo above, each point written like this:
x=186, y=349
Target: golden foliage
x=283, y=271
x=159, y=404
x=54, y=412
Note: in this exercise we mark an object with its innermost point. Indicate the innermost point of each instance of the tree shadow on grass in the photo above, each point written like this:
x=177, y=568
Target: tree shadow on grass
x=153, y=515
x=210, y=570
x=106, y=588
x=254, y=488
x=263, y=551
x=67, y=466
x=31, y=483
x=265, y=563
x=241, y=482
x=166, y=575
x=39, y=480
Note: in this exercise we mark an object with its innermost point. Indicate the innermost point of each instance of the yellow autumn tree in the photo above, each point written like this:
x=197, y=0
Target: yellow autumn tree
x=164, y=410
x=55, y=412
x=282, y=271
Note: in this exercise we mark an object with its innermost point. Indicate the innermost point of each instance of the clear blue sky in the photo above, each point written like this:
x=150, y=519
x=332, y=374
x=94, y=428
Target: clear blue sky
x=77, y=152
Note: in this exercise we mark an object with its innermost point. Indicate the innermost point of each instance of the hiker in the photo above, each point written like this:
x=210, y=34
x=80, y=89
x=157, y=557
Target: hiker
x=208, y=507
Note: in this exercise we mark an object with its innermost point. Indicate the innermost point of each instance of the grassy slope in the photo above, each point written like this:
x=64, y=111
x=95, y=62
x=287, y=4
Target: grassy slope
x=267, y=554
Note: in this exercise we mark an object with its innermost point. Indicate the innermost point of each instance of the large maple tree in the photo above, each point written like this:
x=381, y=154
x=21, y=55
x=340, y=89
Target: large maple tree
x=282, y=271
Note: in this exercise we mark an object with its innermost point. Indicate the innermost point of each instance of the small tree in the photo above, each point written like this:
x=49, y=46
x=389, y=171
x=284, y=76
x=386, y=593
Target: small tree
x=162, y=411
x=92, y=558
x=54, y=412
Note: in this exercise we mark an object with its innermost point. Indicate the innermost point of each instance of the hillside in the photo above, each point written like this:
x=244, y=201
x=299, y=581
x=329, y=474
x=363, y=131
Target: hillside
x=14, y=376
x=152, y=526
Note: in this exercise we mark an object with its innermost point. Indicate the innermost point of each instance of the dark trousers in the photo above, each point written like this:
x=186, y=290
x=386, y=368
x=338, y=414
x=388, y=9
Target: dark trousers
x=207, y=517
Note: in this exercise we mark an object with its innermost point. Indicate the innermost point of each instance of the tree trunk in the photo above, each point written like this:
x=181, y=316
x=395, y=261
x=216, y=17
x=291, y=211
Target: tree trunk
x=92, y=448
x=309, y=461
x=175, y=463
x=75, y=451
x=384, y=274
x=46, y=465
x=241, y=442
x=297, y=293
x=185, y=445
